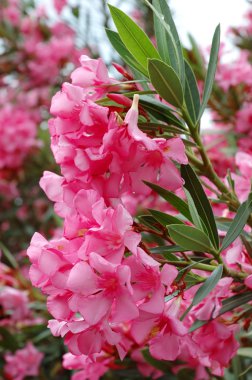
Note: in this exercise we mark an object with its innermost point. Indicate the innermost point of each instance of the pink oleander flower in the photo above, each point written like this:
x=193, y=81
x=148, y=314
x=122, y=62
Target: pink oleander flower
x=24, y=362
x=21, y=127
x=243, y=180
x=14, y=303
x=91, y=367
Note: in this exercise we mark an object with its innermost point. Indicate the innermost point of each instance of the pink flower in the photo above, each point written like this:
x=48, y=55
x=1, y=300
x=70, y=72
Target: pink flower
x=14, y=303
x=24, y=362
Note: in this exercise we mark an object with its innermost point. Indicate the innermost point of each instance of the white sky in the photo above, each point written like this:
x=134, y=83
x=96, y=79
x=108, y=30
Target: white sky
x=200, y=17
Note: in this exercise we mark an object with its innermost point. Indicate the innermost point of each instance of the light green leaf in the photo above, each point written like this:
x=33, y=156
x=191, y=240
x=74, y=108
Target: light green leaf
x=172, y=199
x=121, y=49
x=193, y=211
x=190, y=238
x=167, y=37
x=133, y=37
x=245, y=351
x=192, y=98
x=208, y=285
x=238, y=223
x=193, y=185
x=166, y=82
x=211, y=70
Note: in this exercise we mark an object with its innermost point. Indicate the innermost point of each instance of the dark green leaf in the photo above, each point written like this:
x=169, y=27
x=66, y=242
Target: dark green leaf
x=238, y=223
x=121, y=49
x=161, y=128
x=133, y=37
x=172, y=199
x=167, y=37
x=211, y=70
x=149, y=221
x=166, y=82
x=190, y=238
x=192, y=98
x=193, y=185
x=8, y=340
x=163, y=218
x=159, y=364
x=197, y=324
x=160, y=111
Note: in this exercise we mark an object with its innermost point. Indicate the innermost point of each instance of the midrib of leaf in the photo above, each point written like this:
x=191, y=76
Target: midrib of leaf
x=191, y=98
x=168, y=29
x=142, y=47
x=189, y=238
x=164, y=80
x=199, y=200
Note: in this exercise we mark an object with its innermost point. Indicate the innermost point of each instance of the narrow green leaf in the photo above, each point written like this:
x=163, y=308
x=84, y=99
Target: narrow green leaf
x=161, y=128
x=211, y=70
x=193, y=185
x=245, y=351
x=192, y=98
x=164, y=219
x=193, y=211
x=134, y=38
x=172, y=199
x=8, y=255
x=167, y=249
x=208, y=285
x=121, y=49
x=235, y=301
x=159, y=364
x=167, y=37
x=229, y=304
x=238, y=223
x=190, y=238
x=149, y=221
x=160, y=111
x=166, y=82
x=8, y=340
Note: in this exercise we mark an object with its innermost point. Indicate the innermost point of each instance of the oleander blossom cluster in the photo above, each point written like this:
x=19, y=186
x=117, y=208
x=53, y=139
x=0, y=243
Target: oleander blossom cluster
x=105, y=293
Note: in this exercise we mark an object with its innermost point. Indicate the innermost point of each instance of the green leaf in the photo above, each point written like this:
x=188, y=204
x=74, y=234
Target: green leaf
x=8, y=340
x=167, y=249
x=164, y=219
x=238, y=223
x=149, y=221
x=190, y=238
x=208, y=285
x=156, y=127
x=133, y=37
x=8, y=255
x=121, y=49
x=193, y=211
x=192, y=98
x=172, y=199
x=193, y=185
x=228, y=304
x=159, y=364
x=211, y=70
x=235, y=301
x=245, y=351
x=166, y=82
x=167, y=37
x=160, y=111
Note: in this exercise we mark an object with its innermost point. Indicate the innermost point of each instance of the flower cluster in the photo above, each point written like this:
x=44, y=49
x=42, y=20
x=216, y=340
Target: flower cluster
x=104, y=290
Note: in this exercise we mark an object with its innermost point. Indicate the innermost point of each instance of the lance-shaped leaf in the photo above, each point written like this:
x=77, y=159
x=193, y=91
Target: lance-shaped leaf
x=193, y=211
x=192, y=98
x=190, y=238
x=238, y=223
x=167, y=249
x=160, y=111
x=164, y=219
x=211, y=70
x=172, y=199
x=204, y=290
x=193, y=185
x=166, y=82
x=168, y=41
x=134, y=38
x=121, y=49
